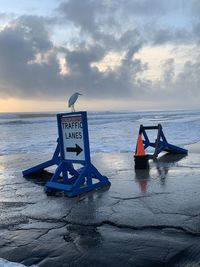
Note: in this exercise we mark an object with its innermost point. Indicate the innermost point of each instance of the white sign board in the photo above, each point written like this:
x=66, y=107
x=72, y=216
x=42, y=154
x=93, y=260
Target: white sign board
x=73, y=141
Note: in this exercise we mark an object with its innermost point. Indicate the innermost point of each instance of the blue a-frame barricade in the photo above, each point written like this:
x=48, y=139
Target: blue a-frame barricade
x=161, y=143
x=55, y=160
x=66, y=177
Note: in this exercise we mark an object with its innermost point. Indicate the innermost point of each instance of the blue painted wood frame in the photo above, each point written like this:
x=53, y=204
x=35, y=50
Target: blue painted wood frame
x=161, y=143
x=74, y=181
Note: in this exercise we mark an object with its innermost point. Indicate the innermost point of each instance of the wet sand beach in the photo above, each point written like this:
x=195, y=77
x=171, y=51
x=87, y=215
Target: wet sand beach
x=145, y=218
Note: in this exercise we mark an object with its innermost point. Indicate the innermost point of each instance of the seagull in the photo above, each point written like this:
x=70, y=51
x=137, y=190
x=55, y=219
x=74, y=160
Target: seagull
x=72, y=101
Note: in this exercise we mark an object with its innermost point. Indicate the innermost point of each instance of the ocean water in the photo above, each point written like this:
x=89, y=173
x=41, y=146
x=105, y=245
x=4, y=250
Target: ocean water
x=108, y=131
x=5, y=263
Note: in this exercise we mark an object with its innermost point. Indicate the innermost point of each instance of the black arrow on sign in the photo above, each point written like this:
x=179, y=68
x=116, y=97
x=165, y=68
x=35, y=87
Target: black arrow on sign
x=76, y=149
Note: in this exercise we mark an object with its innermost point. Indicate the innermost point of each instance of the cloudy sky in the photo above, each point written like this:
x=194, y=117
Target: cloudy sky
x=120, y=54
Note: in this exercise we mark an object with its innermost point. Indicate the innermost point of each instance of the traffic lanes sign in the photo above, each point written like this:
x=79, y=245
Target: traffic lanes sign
x=72, y=137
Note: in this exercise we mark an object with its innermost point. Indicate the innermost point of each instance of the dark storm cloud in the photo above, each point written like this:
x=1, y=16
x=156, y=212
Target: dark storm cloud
x=169, y=71
x=147, y=7
x=195, y=8
x=164, y=36
x=110, y=21
x=28, y=36
x=187, y=83
x=82, y=13
x=3, y=15
x=29, y=58
x=96, y=83
x=19, y=44
x=94, y=19
x=183, y=91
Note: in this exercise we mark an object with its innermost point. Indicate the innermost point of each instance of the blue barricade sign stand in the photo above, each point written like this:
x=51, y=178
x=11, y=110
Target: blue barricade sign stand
x=72, y=147
x=161, y=143
x=56, y=159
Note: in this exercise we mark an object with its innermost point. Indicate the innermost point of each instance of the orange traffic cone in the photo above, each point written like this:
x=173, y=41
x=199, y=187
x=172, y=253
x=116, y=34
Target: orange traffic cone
x=140, y=147
x=141, y=160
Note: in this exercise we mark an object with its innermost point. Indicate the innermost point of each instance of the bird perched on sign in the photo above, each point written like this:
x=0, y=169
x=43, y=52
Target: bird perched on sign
x=72, y=101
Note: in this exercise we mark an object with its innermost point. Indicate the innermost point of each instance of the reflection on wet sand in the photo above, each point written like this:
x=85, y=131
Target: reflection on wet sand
x=142, y=177
x=162, y=164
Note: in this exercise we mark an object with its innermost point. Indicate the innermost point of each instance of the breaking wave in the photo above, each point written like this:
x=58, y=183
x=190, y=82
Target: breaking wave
x=108, y=131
